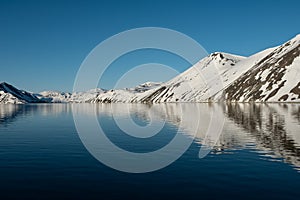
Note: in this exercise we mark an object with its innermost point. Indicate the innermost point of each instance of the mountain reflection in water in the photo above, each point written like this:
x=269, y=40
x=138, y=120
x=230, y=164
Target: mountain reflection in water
x=272, y=130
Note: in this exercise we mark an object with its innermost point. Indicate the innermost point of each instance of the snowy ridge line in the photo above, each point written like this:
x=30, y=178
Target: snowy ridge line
x=272, y=75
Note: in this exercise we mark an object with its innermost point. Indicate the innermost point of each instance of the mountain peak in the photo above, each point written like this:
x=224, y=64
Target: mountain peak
x=19, y=94
x=225, y=56
x=297, y=37
x=217, y=54
x=294, y=41
x=220, y=59
x=4, y=83
x=270, y=75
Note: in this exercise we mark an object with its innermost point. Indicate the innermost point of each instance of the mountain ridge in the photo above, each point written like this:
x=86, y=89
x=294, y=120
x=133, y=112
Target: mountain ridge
x=271, y=75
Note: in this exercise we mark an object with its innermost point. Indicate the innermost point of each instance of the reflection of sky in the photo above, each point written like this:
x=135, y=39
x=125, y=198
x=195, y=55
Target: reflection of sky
x=271, y=130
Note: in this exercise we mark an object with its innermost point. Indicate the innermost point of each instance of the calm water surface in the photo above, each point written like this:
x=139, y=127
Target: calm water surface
x=256, y=157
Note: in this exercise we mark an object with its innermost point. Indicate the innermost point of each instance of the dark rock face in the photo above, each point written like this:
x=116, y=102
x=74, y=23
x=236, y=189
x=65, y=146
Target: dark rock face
x=153, y=96
x=296, y=90
x=265, y=79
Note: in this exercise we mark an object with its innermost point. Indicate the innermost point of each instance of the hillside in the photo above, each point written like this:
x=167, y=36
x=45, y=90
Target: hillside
x=272, y=75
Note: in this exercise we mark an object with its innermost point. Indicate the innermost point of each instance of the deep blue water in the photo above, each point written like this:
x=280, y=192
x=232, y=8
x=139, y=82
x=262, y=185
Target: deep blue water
x=257, y=156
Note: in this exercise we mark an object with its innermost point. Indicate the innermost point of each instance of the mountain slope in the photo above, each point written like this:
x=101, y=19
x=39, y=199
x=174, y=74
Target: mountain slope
x=127, y=95
x=271, y=75
x=274, y=78
x=268, y=76
x=220, y=70
x=16, y=95
x=54, y=96
x=7, y=98
x=98, y=95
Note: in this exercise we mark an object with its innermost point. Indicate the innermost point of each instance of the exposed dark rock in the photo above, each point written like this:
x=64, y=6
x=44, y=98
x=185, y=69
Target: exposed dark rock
x=296, y=90
x=151, y=97
x=284, y=97
x=248, y=86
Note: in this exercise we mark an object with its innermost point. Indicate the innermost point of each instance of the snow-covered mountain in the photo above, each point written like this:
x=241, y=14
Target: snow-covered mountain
x=7, y=98
x=97, y=95
x=66, y=97
x=85, y=97
x=127, y=95
x=276, y=77
x=198, y=82
x=145, y=87
x=10, y=94
x=54, y=96
x=270, y=75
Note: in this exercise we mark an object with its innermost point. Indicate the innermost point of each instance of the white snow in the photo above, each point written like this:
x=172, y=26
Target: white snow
x=203, y=82
x=7, y=98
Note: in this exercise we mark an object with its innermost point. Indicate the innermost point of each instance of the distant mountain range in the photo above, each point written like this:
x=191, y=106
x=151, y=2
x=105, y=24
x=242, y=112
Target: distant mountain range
x=272, y=75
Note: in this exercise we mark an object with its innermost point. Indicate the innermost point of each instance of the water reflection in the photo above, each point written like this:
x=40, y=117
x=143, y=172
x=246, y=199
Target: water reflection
x=273, y=130
x=10, y=112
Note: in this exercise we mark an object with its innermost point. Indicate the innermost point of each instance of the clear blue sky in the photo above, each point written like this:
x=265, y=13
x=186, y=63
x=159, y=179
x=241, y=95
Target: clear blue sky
x=42, y=43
